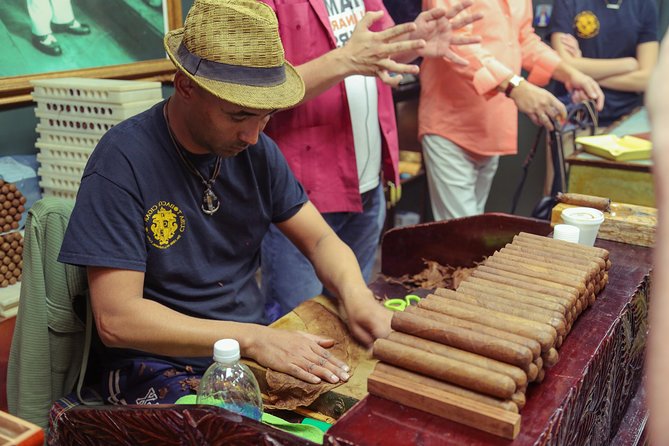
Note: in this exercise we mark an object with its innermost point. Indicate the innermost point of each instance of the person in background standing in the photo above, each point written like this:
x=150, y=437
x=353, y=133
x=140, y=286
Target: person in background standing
x=49, y=17
x=613, y=41
x=468, y=115
x=344, y=134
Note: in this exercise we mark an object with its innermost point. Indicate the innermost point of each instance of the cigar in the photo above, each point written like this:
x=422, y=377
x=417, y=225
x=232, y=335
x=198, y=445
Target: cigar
x=555, y=319
x=585, y=274
x=550, y=357
x=515, y=373
x=552, y=249
x=534, y=270
x=461, y=338
x=521, y=282
x=533, y=345
x=589, y=265
x=601, y=203
x=407, y=378
x=519, y=298
x=569, y=303
x=578, y=292
x=589, y=250
x=544, y=334
x=445, y=369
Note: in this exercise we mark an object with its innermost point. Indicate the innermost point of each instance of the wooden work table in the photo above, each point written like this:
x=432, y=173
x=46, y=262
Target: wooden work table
x=583, y=398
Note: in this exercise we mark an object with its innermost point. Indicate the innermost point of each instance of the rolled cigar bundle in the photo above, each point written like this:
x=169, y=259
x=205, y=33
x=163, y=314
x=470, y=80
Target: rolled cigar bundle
x=476, y=289
x=461, y=338
x=533, y=345
x=534, y=270
x=591, y=266
x=552, y=249
x=556, y=320
x=517, y=374
x=408, y=378
x=590, y=250
x=576, y=291
x=585, y=274
x=601, y=203
x=544, y=334
x=569, y=302
x=446, y=369
x=550, y=357
x=495, y=276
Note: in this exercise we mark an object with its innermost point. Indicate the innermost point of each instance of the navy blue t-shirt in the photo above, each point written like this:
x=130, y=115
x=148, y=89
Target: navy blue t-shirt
x=138, y=208
x=605, y=33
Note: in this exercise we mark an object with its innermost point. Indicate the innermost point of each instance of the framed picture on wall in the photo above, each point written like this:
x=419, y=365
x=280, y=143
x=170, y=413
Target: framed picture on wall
x=542, y=15
x=119, y=39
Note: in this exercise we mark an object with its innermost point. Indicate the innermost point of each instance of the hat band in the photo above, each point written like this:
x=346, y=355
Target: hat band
x=234, y=74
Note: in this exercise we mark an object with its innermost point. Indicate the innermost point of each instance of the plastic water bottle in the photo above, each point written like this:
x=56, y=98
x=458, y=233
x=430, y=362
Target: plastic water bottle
x=229, y=384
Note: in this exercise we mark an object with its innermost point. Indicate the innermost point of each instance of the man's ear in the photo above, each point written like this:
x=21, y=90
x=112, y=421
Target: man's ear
x=184, y=85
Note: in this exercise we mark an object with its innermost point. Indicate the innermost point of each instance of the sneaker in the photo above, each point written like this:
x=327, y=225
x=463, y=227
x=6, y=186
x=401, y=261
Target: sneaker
x=47, y=44
x=74, y=27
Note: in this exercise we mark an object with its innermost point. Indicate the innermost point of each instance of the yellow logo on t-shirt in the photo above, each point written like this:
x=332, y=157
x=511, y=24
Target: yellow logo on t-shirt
x=164, y=223
x=586, y=24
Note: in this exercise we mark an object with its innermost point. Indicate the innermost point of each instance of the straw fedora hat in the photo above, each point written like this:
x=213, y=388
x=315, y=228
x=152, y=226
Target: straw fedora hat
x=232, y=49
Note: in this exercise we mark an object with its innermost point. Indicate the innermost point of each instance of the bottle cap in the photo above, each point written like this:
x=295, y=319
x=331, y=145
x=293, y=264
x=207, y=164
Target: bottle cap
x=226, y=350
x=567, y=233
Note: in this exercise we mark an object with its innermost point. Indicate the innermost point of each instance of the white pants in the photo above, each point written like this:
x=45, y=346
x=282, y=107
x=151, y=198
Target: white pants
x=44, y=12
x=459, y=181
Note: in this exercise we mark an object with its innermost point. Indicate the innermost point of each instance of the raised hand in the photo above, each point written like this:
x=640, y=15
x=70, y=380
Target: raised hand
x=436, y=26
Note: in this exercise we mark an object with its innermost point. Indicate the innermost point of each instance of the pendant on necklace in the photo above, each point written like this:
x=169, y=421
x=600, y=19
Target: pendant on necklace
x=210, y=202
x=613, y=5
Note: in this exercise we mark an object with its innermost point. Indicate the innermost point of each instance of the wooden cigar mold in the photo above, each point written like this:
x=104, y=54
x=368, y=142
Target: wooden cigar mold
x=469, y=354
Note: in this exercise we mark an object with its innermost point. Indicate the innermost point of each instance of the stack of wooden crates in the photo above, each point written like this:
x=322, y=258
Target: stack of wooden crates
x=73, y=115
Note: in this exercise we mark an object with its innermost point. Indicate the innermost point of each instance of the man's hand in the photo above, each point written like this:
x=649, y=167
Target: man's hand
x=538, y=104
x=302, y=355
x=436, y=27
x=367, y=319
x=570, y=45
x=583, y=86
x=369, y=53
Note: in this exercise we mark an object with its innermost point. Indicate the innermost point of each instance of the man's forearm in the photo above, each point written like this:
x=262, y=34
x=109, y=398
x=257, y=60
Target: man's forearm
x=636, y=81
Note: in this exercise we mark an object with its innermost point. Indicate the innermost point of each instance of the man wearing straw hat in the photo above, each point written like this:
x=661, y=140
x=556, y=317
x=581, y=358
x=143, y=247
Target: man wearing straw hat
x=173, y=206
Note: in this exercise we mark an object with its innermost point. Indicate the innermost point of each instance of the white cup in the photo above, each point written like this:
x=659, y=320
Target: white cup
x=568, y=233
x=587, y=220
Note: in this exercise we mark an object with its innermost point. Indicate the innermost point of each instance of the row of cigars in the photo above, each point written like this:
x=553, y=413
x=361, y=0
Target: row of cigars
x=468, y=355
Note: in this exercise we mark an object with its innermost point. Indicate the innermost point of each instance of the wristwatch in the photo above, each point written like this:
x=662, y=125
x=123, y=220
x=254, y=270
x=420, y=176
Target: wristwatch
x=513, y=83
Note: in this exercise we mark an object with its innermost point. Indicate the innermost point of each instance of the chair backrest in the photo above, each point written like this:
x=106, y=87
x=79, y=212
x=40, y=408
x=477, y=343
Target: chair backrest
x=48, y=344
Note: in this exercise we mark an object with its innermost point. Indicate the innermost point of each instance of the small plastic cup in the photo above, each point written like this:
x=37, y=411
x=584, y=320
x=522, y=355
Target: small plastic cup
x=587, y=220
x=568, y=233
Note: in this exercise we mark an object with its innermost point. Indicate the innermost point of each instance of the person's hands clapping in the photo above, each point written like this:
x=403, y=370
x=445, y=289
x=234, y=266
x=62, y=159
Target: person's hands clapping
x=436, y=27
x=538, y=104
x=302, y=355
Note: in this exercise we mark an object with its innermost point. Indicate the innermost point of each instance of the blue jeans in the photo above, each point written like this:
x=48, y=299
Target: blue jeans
x=288, y=278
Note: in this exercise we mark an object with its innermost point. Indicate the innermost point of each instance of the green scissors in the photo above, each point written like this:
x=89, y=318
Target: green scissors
x=401, y=304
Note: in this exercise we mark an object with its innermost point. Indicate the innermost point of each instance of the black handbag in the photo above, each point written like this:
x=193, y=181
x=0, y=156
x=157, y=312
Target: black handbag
x=581, y=119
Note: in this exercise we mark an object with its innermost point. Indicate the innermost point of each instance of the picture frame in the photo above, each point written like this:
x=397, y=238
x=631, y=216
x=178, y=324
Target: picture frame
x=15, y=90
